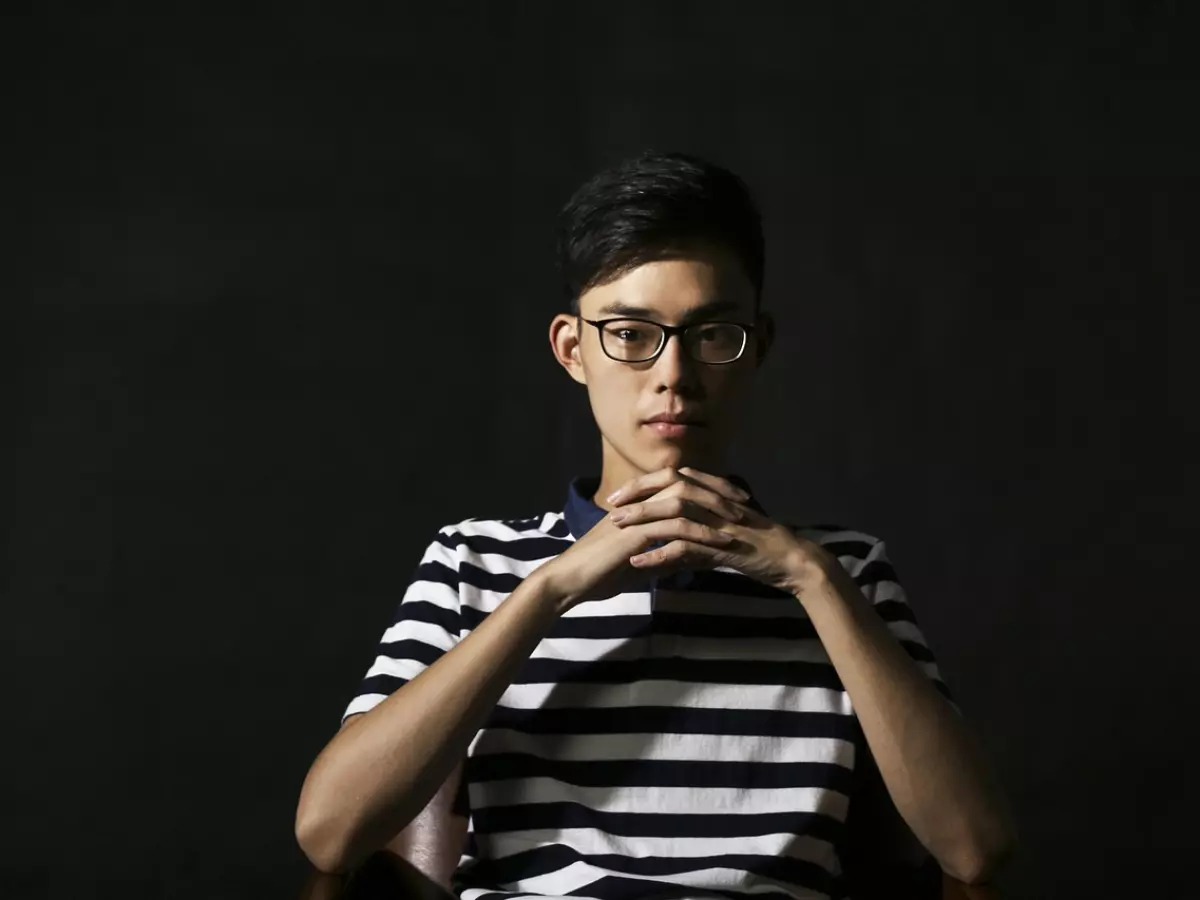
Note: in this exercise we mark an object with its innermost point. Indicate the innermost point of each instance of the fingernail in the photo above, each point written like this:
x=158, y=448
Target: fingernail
x=612, y=498
x=620, y=516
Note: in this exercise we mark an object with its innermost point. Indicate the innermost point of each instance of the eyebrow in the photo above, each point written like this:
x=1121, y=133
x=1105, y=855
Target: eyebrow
x=704, y=311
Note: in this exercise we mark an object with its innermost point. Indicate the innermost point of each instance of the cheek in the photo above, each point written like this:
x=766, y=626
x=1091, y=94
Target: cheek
x=728, y=384
x=727, y=398
x=613, y=397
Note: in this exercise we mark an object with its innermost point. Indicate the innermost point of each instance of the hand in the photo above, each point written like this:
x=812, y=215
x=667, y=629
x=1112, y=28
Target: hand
x=686, y=514
x=761, y=548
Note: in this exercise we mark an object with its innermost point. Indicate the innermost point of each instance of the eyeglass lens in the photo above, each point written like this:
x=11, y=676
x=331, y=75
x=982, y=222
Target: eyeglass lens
x=710, y=342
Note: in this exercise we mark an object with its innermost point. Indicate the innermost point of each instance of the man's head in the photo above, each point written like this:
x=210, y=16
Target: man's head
x=670, y=240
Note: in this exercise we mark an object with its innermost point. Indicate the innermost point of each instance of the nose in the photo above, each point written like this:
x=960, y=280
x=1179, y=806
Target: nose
x=675, y=370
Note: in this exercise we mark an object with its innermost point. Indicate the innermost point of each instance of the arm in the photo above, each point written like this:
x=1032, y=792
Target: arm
x=382, y=768
x=881, y=857
x=433, y=842
x=418, y=863
x=928, y=759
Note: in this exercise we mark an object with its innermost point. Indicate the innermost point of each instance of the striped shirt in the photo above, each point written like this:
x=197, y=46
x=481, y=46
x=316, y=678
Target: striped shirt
x=687, y=740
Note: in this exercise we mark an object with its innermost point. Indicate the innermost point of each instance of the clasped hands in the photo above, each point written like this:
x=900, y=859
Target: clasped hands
x=674, y=519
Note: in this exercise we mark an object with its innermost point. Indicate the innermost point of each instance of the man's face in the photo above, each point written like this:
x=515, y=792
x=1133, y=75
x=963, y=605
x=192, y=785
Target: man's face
x=704, y=399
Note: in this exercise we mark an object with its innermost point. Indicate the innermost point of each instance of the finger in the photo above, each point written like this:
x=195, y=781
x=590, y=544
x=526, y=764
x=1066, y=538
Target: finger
x=668, y=530
x=702, y=495
x=644, y=485
x=679, y=555
x=696, y=503
x=722, y=486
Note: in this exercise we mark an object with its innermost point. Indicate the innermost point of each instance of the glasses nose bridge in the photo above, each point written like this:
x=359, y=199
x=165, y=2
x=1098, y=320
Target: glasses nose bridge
x=686, y=358
x=669, y=331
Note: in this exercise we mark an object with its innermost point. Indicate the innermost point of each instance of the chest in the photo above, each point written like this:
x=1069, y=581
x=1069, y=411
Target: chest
x=680, y=688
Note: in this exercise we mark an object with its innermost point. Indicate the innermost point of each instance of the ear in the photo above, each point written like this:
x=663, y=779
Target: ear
x=764, y=336
x=565, y=341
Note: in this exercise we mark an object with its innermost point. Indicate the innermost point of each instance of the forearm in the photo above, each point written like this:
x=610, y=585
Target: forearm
x=928, y=759
x=376, y=775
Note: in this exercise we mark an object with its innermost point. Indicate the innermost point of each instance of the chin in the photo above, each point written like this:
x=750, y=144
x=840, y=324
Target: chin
x=675, y=456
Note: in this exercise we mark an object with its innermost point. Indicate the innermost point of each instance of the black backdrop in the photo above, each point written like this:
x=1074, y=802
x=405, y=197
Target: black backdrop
x=282, y=290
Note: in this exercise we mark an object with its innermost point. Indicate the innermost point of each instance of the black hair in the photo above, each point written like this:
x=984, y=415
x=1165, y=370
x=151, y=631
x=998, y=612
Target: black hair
x=651, y=207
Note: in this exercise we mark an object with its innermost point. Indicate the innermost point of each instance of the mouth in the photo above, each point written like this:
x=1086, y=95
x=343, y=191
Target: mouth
x=673, y=426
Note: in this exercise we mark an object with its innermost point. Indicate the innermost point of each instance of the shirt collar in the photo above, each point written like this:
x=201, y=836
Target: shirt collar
x=582, y=514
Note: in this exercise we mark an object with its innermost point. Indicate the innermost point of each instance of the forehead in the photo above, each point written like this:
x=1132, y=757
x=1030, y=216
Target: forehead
x=673, y=287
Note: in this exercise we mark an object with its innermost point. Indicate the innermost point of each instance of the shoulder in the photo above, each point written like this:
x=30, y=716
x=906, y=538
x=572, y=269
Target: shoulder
x=473, y=539
x=862, y=554
x=841, y=540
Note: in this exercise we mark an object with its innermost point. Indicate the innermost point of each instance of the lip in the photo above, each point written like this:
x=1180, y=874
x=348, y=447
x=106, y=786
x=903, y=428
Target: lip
x=672, y=426
x=674, y=419
x=672, y=429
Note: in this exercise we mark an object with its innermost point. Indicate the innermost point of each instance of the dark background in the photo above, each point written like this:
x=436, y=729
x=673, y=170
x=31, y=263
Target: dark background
x=282, y=287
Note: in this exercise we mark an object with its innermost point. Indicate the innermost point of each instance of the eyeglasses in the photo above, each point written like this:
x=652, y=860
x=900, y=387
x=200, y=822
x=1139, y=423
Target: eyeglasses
x=640, y=340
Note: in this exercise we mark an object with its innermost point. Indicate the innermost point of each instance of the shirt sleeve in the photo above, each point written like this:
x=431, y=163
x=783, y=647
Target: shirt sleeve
x=876, y=578
x=426, y=624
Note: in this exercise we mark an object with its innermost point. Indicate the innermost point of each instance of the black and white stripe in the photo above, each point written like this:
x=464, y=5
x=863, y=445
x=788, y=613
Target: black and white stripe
x=690, y=740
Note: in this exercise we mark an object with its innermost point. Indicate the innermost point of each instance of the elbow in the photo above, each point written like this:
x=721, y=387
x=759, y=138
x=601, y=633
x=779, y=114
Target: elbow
x=322, y=837
x=984, y=860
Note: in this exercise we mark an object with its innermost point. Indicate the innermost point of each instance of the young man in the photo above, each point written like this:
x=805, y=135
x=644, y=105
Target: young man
x=659, y=691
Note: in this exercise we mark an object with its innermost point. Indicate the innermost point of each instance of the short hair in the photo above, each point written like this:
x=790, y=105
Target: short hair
x=652, y=207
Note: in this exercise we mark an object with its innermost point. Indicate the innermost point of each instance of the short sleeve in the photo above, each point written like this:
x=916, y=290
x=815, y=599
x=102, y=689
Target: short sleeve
x=876, y=578
x=426, y=624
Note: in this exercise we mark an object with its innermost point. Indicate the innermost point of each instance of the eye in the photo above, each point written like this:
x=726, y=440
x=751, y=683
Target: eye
x=628, y=332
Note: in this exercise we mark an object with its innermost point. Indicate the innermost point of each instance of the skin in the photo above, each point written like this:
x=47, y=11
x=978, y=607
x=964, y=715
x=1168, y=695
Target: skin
x=391, y=769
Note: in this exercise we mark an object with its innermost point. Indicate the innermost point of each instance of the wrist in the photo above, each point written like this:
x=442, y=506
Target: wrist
x=547, y=589
x=815, y=572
